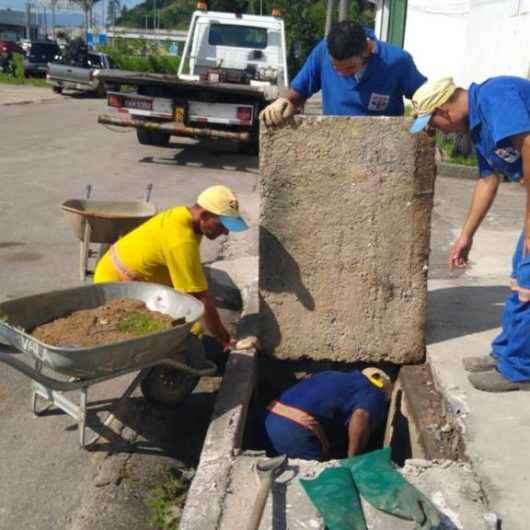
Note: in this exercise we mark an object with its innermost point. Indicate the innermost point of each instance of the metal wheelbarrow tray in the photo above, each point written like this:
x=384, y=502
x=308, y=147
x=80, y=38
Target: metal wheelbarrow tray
x=87, y=366
x=103, y=222
x=107, y=220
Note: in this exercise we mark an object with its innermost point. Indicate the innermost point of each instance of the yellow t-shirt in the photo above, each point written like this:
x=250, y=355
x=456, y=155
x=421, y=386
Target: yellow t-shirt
x=163, y=250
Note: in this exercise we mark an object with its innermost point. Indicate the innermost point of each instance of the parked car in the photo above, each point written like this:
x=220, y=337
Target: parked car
x=25, y=44
x=7, y=46
x=39, y=55
x=82, y=78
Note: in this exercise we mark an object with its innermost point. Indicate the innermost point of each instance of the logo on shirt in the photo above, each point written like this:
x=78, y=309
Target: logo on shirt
x=508, y=154
x=378, y=102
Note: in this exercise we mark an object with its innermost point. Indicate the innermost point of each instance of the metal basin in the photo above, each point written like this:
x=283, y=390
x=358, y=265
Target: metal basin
x=21, y=314
x=108, y=220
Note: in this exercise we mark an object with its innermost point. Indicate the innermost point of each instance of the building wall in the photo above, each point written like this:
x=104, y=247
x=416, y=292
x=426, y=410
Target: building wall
x=470, y=40
x=497, y=40
x=435, y=35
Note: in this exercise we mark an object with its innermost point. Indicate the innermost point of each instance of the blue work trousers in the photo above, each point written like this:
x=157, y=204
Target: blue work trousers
x=511, y=348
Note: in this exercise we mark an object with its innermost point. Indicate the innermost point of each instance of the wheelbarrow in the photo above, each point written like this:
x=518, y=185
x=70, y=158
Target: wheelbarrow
x=103, y=223
x=84, y=367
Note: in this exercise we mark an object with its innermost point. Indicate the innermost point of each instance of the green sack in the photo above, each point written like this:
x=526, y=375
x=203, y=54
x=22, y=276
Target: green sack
x=335, y=496
x=379, y=483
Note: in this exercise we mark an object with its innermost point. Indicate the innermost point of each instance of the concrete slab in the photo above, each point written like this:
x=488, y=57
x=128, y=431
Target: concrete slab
x=451, y=487
x=341, y=200
x=463, y=318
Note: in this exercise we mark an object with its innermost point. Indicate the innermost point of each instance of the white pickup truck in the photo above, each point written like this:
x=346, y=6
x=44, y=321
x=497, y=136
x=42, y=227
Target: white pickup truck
x=232, y=66
x=80, y=78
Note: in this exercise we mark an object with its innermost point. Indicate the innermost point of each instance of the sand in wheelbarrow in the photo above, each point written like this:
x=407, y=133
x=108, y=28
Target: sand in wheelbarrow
x=119, y=320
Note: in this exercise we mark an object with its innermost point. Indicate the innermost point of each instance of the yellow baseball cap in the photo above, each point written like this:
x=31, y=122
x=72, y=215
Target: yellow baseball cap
x=427, y=98
x=221, y=201
x=380, y=379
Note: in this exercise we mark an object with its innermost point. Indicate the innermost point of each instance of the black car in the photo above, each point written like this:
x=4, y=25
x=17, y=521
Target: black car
x=39, y=55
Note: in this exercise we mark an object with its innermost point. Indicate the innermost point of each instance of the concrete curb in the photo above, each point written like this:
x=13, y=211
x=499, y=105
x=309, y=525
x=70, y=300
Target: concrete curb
x=444, y=169
x=28, y=102
x=223, y=441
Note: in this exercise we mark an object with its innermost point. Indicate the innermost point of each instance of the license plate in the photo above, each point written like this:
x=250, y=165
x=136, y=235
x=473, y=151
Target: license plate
x=179, y=114
x=140, y=104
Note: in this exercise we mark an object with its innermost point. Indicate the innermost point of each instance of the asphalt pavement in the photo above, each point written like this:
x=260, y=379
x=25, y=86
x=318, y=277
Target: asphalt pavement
x=49, y=152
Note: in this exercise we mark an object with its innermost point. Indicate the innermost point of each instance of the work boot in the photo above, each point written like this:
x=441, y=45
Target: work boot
x=494, y=381
x=479, y=363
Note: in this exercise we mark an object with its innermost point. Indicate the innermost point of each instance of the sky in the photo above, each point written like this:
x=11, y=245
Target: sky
x=21, y=4
x=64, y=16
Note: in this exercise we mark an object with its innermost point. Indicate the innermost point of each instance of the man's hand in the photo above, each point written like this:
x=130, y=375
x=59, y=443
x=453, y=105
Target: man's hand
x=229, y=345
x=277, y=112
x=459, y=253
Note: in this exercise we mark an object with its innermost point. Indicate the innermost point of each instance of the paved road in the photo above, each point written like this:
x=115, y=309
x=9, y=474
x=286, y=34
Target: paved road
x=49, y=152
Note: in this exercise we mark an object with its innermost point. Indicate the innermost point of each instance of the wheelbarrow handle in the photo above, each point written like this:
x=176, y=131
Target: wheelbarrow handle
x=181, y=367
x=50, y=382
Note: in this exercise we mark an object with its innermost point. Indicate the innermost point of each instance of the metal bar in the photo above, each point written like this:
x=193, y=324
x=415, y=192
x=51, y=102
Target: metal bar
x=128, y=391
x=85, y=244
x=57, y=398
x=343, y=10
x=173, y=128
x=83, y=398
x=65, y=386
x=329, y=15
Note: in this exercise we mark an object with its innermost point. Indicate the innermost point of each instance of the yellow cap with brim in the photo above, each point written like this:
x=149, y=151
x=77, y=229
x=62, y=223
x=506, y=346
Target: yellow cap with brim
x=380, y=379
x=428, y=98
x=221, y=201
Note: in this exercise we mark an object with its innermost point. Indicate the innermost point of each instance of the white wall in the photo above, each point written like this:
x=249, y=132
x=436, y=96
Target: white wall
x=470, y=40
x=435, y=35
x=498, y=40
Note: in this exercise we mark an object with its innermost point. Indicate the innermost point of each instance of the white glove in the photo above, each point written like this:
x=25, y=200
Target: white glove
x=277, y=112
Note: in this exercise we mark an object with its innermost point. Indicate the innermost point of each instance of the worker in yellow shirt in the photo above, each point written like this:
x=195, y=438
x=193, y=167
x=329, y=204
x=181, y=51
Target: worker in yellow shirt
x=165, y=250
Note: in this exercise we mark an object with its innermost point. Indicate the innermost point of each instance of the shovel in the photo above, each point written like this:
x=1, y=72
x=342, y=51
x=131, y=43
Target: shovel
x=266, y=470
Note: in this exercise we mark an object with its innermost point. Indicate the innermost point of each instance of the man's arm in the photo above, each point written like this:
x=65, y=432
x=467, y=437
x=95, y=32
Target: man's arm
x=483, y=197
x=295, y=98
x=521, y=142
x=358, y=432
x=305, y=84
x=412, y=78
x=212, y=319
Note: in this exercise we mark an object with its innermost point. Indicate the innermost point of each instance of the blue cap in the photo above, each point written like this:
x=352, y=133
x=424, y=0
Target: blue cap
x=420, y=123
x=233, y=224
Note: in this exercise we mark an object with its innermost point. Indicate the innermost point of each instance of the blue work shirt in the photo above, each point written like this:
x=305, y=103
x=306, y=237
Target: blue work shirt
x=332, y=397
x=499, y=108
x=389, y=75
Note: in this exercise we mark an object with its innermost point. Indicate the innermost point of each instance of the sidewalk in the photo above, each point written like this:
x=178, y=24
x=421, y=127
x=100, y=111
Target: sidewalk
x=464, y=316
x=21, y=94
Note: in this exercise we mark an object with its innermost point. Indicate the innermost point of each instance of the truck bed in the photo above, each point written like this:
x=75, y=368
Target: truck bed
x=124, y=77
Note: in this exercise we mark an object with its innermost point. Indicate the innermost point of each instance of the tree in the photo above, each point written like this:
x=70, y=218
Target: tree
x=113, y=11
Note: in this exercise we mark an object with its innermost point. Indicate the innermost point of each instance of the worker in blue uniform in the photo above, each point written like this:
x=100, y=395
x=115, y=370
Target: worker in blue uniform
x=358, y=75
x=328, y=415
x=496, y=113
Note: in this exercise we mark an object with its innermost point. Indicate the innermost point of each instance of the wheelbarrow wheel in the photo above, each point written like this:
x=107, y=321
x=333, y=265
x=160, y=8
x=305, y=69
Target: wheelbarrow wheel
x=166, y=386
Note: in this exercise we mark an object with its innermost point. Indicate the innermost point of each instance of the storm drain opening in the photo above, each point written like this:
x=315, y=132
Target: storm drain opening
x=419, y=422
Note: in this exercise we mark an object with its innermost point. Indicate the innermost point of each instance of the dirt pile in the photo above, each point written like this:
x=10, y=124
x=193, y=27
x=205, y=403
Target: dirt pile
x=116, y=321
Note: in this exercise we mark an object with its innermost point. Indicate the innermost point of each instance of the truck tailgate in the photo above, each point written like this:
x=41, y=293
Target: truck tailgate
x=71, y=74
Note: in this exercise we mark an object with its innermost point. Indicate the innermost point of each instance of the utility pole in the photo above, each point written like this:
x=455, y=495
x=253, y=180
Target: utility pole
x=343, y=10
x=53, y=4
x=329, y=15
x=28, y=20
x=45, y=11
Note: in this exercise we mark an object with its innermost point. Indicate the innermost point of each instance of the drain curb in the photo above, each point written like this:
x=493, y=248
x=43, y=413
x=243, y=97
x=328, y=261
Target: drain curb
x=223, y=440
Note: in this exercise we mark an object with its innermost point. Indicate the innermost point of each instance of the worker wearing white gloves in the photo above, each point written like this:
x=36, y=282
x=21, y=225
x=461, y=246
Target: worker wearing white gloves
x=358, y=75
